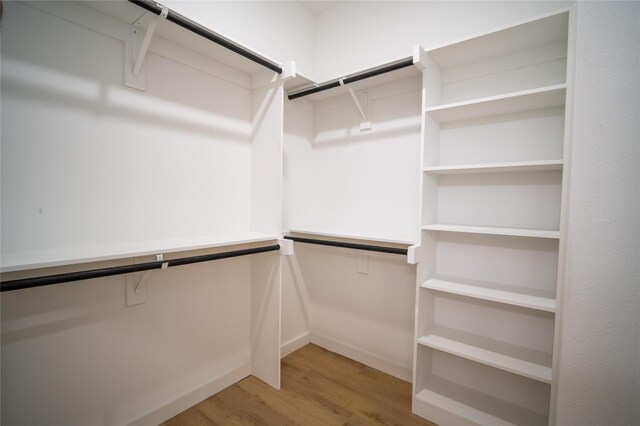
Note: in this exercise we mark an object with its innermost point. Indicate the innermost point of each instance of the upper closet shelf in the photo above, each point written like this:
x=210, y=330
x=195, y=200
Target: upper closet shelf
x=371, y=77
x=525, y=100
x=520, y=166
x=187, y=32
x=513, y=38
x=49, y=258
x=514, y=232
x=351, y=235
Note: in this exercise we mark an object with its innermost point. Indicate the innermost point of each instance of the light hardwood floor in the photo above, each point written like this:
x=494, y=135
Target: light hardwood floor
x=318, y=388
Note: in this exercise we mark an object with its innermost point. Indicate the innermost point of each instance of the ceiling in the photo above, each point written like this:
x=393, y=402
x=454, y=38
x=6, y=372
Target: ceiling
x=317, y=7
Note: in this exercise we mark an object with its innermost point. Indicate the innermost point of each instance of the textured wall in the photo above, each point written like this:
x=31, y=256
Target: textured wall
x=601, y=303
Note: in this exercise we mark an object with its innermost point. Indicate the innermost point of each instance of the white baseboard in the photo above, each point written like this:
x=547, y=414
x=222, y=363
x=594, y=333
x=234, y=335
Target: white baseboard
x=192, y=397
x=367, y=358
x=294, y=344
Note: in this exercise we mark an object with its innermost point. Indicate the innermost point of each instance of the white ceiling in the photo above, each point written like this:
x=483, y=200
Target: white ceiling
x=317, y=7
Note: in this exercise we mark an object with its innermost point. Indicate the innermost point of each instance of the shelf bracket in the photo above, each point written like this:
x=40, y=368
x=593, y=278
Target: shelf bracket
x=413, y=254
x=134, y=71
x=365, y=124
x=286, y=247
x=137, y=288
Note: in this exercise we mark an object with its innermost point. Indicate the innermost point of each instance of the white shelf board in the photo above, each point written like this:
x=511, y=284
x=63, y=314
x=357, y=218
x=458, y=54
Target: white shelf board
x=475, y=406
x=536, y=31
x=483, y=292
x=514, y=232
x=75, y=255
x=525, y=100
x=505, y=356
x=520, y=166
x=351, y=235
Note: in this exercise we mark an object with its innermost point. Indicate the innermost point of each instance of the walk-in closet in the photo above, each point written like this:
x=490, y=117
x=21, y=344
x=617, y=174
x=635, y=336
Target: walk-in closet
x=320, y=212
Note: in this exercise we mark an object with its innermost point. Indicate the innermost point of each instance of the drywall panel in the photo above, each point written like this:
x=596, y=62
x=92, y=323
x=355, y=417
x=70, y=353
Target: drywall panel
x=75, y=354
x=367, y=316
x=374, y=32
x=366, y=181
x=88, y=161
x=281, y=30
x=600, y=321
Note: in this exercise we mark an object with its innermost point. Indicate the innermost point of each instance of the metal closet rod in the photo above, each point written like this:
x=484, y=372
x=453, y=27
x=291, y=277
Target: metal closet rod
x=126, y=269
x=353, y=78
x=366, y=247
x=184, y=22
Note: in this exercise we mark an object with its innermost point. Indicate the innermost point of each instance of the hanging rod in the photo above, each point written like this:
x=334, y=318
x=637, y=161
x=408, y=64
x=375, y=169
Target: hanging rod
x=126, y=269
x=403, y=63
x=367, y=247
x=198, y=29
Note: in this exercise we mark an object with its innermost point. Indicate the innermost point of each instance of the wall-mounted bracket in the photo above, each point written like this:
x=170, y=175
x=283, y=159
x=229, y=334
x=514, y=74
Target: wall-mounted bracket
x=136, y=51
x=413, y=254
x=137, y=283
x=365, y=124
x=286, y=247
x=419, y=57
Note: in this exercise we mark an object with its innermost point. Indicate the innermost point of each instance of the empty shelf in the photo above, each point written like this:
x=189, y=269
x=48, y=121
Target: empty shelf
x=514, y=359
x=479, y=291
x=475, y=406
x=525, y=100
x=49, y=258
x=515, y=232
x=521, y=166
x=352, y=235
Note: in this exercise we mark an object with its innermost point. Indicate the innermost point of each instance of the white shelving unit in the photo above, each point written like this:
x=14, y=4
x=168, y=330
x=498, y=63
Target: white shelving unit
x=494, y=155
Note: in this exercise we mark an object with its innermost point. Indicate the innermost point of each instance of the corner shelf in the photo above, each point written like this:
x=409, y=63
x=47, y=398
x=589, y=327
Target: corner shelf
x=526, y=100
x=478, y=291
x=476, y=407
x=514, y=359
x=519, y=166
x=49, y=258
x=351, y=235
x=514, y=232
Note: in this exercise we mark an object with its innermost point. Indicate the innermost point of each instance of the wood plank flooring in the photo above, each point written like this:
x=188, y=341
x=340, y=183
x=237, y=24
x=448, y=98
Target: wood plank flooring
x=318, y=388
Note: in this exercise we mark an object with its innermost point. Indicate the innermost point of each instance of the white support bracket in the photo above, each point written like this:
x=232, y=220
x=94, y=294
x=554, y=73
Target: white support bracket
x=286, y=247
x=137, y=287
x=419, y=57
x=135, y=73
x=365, y=124
x=413, y=254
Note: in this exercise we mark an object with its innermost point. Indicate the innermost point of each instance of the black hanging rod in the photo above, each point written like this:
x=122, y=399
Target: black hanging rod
x=353, y=78
x=367, y=247
x=126, y=269
x=196, y=28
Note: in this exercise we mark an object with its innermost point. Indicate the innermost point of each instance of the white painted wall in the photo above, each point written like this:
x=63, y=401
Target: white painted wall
x=86, y=160
x=601, y=323
x=357, y=35
x=281, y=30
x=102, y=163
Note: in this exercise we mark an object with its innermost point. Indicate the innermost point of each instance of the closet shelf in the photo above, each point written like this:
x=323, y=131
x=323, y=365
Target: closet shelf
x=476, y=407
x=485, y=291
x=520, y=166
x=505, y=356
x=351, y=235
x=514, y=232
x=49, y=258
x=525, y=100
